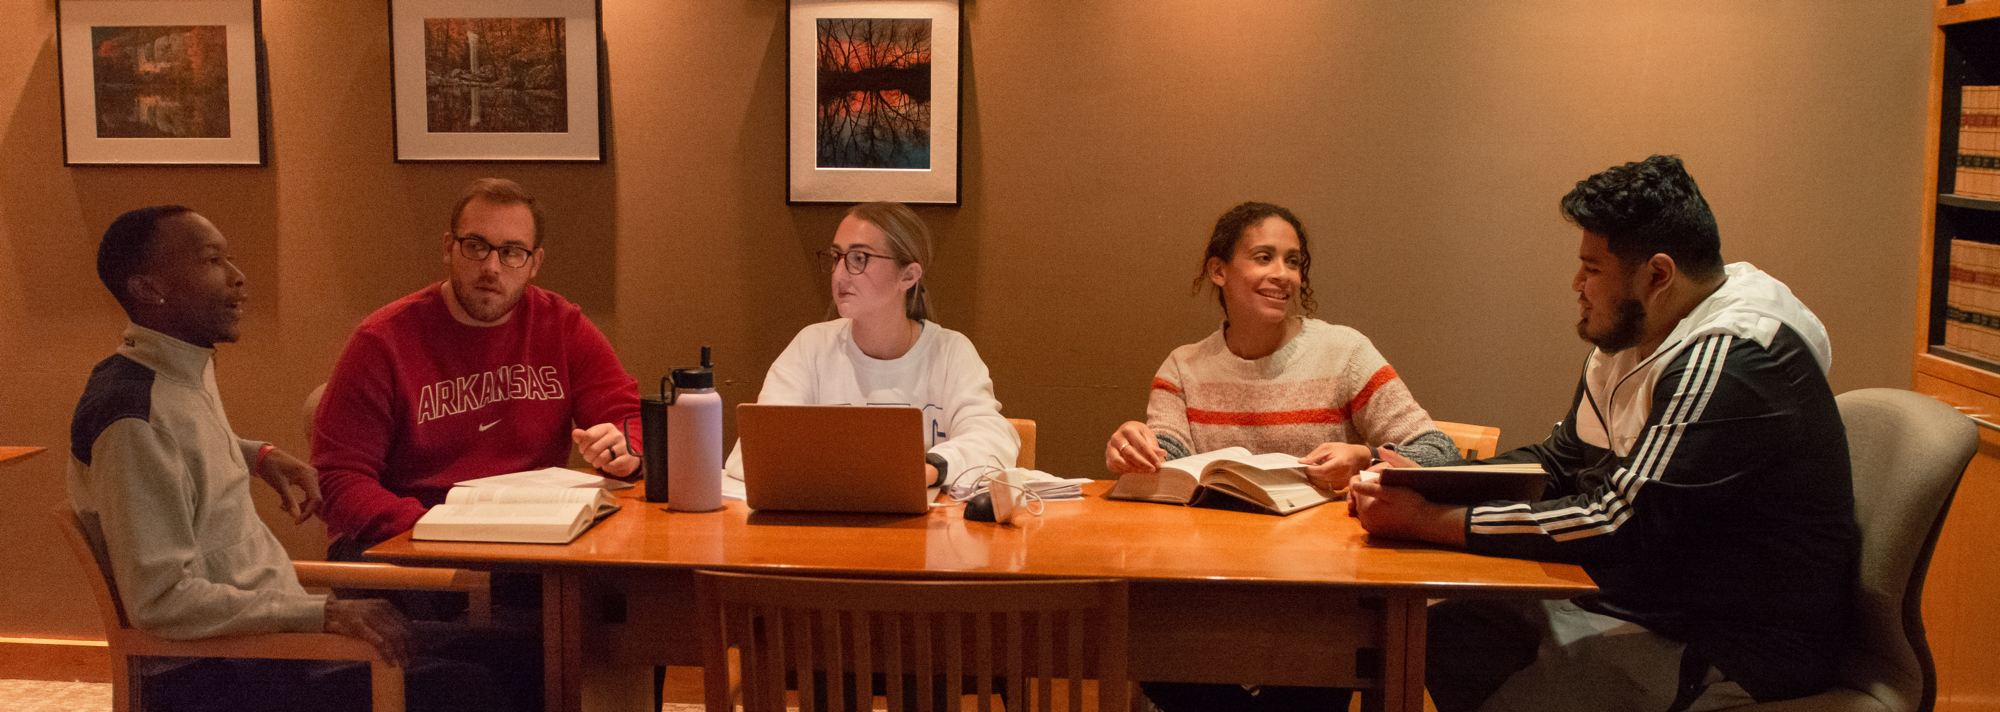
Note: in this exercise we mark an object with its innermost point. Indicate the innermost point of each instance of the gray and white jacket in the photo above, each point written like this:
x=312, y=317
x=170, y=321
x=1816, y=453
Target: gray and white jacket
x=162, y=486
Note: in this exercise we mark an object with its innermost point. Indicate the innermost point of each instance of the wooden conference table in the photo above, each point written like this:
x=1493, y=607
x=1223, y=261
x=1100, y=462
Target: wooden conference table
x=1217, y=595
x=15, y=453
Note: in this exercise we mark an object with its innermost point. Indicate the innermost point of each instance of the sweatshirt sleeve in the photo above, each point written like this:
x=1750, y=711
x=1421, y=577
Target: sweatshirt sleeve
x=974, y=431
x=1707, y=410
x=1166, y=410
x=600, y=389
x=789, y=381
x=351, y=434
x=146, y=511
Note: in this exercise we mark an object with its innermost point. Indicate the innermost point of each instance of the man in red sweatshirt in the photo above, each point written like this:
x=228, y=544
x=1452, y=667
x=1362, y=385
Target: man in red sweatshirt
x=480, y=374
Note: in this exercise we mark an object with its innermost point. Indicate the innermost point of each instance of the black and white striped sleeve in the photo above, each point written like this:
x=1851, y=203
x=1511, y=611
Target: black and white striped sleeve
x=1719, y=398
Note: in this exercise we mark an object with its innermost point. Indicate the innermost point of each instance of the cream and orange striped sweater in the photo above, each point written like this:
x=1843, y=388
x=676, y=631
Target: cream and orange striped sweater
x=1328, y=384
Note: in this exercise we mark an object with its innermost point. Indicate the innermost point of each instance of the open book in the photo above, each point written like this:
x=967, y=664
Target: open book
x=548, y=477
x=1275, y=482
x=519, y=514
x=1471, y=484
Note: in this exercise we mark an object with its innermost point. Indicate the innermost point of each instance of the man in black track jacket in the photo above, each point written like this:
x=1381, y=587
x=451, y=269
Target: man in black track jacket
x=1701, y=477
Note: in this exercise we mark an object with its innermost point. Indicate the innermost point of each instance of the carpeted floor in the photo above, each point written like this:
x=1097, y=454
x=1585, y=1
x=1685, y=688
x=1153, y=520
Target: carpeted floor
x=39, y=696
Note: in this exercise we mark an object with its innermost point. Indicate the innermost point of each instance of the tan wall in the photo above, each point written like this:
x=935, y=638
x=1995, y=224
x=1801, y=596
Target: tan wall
x=1424, y=144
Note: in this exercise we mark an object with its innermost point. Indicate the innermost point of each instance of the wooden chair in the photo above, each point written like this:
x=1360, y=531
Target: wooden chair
x=129, y=646
x=1026, y=429
x=1022, y=634
x=1473, y=441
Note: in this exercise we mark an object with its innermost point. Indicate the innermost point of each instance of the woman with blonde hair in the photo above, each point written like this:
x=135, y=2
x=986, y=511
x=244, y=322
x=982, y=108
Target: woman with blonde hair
x=884, y=349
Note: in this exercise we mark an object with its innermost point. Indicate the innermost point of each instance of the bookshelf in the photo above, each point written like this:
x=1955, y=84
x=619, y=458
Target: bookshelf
x=1957, y=349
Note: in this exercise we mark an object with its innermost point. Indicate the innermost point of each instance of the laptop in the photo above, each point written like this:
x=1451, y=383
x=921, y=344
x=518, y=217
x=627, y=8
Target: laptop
x=833, y=458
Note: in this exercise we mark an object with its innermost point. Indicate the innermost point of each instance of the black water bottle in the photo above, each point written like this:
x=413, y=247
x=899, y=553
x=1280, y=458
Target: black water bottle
x=653, y=431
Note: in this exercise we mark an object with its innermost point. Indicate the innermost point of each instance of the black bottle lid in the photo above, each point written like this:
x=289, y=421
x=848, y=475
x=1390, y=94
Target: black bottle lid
x=696, y=378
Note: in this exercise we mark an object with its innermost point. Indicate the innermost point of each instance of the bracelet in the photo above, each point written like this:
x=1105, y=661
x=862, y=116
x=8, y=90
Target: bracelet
x=257, y=467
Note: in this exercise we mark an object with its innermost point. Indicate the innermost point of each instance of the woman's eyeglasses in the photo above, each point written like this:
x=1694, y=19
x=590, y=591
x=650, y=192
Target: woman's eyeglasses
x=855, y=261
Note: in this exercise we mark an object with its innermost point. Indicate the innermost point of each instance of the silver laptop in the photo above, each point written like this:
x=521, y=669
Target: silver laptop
x=833, y=458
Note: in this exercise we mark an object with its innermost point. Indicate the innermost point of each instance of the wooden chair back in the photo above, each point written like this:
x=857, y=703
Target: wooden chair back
x=311, y=409
x=1473, y=441
x=1026, y=429
x=930, y=642
x=128, y=645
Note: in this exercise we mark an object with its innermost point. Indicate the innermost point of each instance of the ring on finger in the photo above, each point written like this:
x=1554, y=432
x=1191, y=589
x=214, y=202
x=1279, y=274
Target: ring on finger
x=1124, y=446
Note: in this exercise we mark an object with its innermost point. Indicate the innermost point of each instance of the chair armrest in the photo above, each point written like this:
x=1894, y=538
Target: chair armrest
x=476, y=585
x=276, y=646
x=342, y=574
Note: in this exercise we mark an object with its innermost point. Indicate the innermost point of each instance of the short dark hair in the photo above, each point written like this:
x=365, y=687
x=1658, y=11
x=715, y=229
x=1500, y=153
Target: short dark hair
x=1649, y=207
x=128, y=245
x=499, y=191
x=1229, y=230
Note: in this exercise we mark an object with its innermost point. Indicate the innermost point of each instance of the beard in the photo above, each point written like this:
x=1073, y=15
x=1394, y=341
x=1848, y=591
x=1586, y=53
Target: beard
x=480, y=304
x=1628, y=325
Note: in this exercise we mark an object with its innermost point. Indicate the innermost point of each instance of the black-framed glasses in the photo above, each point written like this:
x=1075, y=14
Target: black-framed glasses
x=855, y=261
x=476, y=249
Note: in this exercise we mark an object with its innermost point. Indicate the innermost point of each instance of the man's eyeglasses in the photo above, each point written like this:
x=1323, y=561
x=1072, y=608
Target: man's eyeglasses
x=476, y=249
x=855, y=261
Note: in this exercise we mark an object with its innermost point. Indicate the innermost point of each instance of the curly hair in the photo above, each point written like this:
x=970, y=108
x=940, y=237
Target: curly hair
x=1229, y=230
x=1649, y=207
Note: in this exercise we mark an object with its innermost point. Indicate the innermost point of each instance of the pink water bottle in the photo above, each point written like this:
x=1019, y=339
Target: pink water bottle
x=694, y=440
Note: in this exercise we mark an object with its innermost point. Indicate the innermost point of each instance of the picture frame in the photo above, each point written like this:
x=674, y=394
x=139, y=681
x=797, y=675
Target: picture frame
x=497, y=80
x=873, y=105
x=161, y=82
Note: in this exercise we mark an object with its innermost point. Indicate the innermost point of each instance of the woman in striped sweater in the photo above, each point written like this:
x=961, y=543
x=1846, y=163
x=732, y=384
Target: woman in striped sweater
x=1273, y=378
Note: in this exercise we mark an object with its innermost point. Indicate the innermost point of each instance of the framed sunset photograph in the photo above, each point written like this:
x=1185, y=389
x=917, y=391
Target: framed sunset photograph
x=496, y=80
x=175, y=82
x=873, y=108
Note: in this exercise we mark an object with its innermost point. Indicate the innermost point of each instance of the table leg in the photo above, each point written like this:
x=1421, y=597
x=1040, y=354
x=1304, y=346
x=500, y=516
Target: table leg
x=1404, y=629
x=562, y=641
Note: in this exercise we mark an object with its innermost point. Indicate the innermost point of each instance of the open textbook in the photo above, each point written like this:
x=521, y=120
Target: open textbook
x=548, y=477
x=1471, y=484
x=1275, y=482
x=543, y=512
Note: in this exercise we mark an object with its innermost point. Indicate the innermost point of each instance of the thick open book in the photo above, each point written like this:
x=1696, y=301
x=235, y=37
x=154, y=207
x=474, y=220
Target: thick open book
x=548, y=477
x=1471, y=484
x=518, y=514
x=1275, y=482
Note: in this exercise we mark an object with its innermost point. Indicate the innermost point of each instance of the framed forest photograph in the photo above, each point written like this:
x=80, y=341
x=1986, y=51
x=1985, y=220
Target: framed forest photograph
x=496, y=80
x=873, y=110
x=160, y=82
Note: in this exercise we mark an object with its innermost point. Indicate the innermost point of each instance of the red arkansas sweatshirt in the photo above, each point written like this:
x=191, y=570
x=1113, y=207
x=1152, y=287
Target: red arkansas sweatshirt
x=419, y=402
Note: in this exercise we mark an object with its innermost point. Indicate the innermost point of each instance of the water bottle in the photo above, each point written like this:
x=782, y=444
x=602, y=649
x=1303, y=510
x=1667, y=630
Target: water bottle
x=694, y=439
x=653, y=426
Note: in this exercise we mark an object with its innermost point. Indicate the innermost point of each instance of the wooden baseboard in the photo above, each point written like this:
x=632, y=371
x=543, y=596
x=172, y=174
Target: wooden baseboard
x=58, y=659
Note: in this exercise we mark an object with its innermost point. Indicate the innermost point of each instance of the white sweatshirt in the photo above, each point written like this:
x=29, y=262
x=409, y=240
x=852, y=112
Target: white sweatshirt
x=941, y=374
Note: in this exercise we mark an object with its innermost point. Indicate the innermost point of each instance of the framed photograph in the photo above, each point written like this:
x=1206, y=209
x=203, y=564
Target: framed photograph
x=496, y=80
x=873, y=107
x=160, y=82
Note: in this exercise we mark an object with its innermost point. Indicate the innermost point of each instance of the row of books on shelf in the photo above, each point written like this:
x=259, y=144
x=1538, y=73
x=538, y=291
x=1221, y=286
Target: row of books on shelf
x=1972, y=300
x=1978, y=162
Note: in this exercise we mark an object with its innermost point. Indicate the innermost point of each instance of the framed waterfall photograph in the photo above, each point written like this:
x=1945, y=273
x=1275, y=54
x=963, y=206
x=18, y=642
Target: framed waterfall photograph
x=176, y=82
x=873, y=106
x=496, y=80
